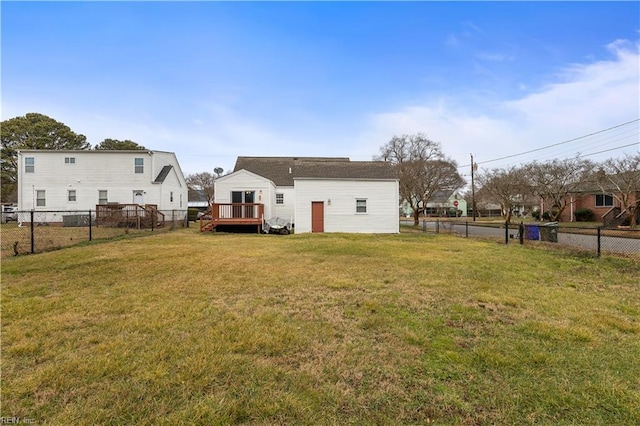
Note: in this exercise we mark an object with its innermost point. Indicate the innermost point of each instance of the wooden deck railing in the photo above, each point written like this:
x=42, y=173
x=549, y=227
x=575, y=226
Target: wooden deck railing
x=232, y=214
x=129, y=215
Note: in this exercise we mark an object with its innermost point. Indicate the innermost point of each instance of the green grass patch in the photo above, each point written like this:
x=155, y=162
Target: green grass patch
x=193, y=328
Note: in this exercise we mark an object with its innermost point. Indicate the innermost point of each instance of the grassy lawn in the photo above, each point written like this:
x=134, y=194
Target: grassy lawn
x=191, y=328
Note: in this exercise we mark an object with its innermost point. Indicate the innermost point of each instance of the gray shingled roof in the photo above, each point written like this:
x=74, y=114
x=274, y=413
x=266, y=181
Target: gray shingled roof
x=591, y=185
x=441, y=196
x=163, y=174
x=283, y=170
x=346, y=170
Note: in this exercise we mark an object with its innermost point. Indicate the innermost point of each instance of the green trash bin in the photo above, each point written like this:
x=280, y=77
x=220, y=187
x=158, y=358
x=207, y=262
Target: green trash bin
x=549, y=232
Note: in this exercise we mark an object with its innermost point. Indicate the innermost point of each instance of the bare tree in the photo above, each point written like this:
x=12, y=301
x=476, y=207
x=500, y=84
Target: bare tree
x=621, y=178
x=422, y=169
x=203, y=183
x=507, y=187
x=554, y=180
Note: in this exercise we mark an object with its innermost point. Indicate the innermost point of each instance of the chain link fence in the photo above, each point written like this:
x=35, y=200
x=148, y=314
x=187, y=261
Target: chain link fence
x=28, y=232
x=594, y=240
x=598, y=241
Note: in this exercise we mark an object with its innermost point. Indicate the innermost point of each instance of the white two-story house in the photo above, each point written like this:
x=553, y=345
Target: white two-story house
x=58, y=181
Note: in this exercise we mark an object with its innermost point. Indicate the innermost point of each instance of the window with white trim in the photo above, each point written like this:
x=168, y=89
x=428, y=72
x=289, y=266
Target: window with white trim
x=139, y=165
x=41, y=199
x=279, y=198
x=102, y=196
x=69, y=160
x=361, y=205
x=604, y=200
x=29, y=165
x=71, y=196
x=171, y=196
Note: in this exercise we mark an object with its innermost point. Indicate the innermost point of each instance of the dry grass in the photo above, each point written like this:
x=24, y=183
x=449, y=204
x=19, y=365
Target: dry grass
x=17, y=239
x=193, y=328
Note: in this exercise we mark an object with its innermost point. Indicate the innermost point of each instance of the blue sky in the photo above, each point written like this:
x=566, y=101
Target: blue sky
x=214, y=80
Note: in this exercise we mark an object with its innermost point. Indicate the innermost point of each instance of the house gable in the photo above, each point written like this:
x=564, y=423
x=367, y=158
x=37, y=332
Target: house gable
x=242, y=181
x=242, y=174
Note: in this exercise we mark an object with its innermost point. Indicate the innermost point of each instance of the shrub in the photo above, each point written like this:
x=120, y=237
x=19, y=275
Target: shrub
x=192, y=214
x=536, y=214
x=584, y=215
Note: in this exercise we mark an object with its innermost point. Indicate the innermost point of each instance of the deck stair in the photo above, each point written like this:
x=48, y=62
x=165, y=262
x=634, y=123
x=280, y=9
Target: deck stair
x=615, y=217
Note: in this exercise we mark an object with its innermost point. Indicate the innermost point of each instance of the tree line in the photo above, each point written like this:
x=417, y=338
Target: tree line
x=38, y=131
x=554, y=182
x=423, y=170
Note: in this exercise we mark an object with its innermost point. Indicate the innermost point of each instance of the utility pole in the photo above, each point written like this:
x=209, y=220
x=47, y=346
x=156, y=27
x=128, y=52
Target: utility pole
x=473, y=189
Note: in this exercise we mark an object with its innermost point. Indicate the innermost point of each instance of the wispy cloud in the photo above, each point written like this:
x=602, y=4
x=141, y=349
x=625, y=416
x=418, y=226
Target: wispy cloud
x=495, y=57
x=584, y=98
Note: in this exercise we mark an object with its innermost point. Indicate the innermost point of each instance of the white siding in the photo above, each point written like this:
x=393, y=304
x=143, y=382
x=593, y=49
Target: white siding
x=243, y=180
x=175, y=182
x=286, y=210
x=340, y=214
x=113, y=171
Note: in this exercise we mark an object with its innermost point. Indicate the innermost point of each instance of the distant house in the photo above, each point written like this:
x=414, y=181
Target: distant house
x=57, y=181
x=315, y=194
x=441, y=203
x=605, y=205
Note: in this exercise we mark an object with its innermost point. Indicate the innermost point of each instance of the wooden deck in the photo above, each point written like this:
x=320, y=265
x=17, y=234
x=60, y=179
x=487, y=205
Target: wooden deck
x=232, y=214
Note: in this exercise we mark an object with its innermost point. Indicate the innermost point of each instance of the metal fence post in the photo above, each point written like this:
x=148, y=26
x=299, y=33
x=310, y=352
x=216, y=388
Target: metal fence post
x=33, y=242
x=598, y=241
x=90, y=228
x=424, y=226
x=521, y=232
x=466, y=229
x=506, y=232
x=437, y=226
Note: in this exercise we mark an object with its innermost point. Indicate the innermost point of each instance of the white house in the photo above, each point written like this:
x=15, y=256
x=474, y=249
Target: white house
x=60, y=180
x=317, y=194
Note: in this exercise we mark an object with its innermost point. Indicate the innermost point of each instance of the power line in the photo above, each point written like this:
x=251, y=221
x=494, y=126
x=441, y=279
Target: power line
x=597, y=144
x=556, y=144
x=611, y=149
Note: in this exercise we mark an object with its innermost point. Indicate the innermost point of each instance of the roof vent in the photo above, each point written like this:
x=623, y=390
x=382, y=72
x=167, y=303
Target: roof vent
x=289, y=170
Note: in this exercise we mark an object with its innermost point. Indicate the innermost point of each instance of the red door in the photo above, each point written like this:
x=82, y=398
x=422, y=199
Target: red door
x=317, y=216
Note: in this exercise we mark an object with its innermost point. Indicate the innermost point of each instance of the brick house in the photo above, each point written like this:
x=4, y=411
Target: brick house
x=605, y=205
